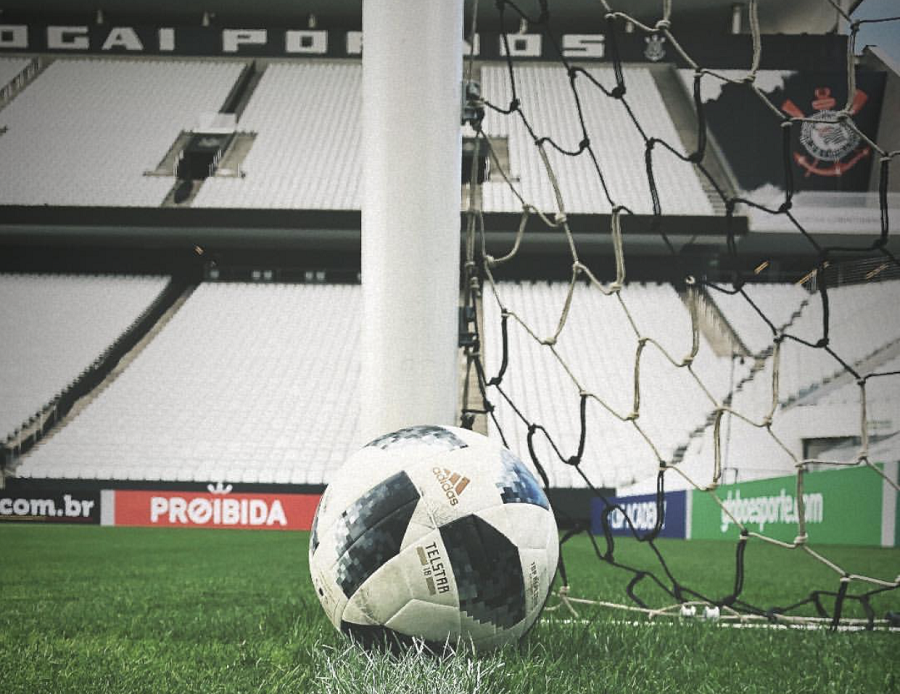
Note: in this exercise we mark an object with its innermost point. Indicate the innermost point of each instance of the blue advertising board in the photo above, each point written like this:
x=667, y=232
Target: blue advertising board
x=642, y=510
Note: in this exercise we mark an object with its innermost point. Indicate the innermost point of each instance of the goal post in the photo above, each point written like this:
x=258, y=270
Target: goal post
x=411, y=89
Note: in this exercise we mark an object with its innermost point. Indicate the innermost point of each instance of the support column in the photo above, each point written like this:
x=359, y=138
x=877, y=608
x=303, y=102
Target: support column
x=412, y=71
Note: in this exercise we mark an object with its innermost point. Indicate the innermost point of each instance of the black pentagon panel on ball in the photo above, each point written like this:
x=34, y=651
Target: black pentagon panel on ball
x=487, y=570
x=314, y=531
x=425, y=435
x=370, y=531
x=517, y=485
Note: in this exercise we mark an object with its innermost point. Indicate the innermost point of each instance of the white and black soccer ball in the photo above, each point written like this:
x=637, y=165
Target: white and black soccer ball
x=434, y=533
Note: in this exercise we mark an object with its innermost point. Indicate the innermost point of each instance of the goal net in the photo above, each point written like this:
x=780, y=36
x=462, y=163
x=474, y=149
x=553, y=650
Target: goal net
x=702, y=373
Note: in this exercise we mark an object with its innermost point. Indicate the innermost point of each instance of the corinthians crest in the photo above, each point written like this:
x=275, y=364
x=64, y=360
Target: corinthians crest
x=655, y=50
x=832, y=148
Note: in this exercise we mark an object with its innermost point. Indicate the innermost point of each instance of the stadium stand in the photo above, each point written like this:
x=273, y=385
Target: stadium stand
x=780, y=303
x=599, y=345
x=245, y=383
x=309, y=113
x=55, y=326
x=858, y=330
x=621, y=157
x=10, y=68
x=306, y=153
x=102, y=124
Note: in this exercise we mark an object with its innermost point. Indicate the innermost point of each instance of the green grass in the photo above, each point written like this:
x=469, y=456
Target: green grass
x=91, y=609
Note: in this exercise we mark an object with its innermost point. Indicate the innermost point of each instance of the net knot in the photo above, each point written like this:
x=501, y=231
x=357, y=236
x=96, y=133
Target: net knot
x=801, y=539
x=584, y=144
x=662, y=25
x=514, y=105
x=785, y=206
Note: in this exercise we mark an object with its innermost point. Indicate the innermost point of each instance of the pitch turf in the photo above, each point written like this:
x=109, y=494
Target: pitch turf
x=91, y=609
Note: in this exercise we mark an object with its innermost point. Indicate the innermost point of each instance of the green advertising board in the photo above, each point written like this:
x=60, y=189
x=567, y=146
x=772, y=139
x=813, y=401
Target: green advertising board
x=842, y=507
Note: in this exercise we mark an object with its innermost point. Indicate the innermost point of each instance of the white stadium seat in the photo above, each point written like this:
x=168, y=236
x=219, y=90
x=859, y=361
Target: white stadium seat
x=101, y=125
x=246, y=383
x=55, y=326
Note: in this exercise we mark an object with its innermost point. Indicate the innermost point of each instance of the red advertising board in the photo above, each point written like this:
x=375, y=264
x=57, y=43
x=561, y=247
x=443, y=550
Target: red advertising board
x=211, y=510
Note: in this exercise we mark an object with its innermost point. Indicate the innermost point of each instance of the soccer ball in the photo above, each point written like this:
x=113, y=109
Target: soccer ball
x=433, y=533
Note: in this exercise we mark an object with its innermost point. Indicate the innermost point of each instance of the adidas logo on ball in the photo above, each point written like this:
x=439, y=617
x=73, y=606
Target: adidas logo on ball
x=451, y=483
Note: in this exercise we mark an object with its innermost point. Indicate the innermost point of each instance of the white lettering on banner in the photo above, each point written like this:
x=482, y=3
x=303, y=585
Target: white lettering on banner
x=354, y=43
x=233, y=39
x=522, y=45
x=70, y=508
x=13, y=36
x=763, y=510
x=177, y=507
x=218, y=511
x=314, y=42
x=166, y=39
x=123, y=37
x=641, y=513
x=67, y=38
x=583, y=45
x=158, y=506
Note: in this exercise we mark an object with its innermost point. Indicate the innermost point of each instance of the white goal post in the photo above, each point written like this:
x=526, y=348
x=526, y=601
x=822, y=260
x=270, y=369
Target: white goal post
x=411, y=145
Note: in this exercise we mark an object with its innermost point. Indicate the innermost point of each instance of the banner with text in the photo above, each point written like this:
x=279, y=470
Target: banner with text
x=786, y=52
x=50, y=506
x=641, y=510
x=841, y=507
x=212, y=510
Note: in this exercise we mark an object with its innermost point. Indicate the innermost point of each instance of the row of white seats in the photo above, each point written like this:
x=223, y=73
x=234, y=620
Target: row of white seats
x=247, y=382
x=85, y=131
x=599, y=346
x=54, y=326
x=307, y=150
x=861, y=321
x=548, y=103
x=778, y=302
